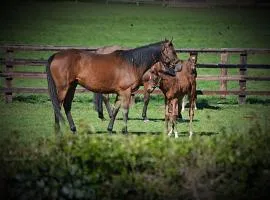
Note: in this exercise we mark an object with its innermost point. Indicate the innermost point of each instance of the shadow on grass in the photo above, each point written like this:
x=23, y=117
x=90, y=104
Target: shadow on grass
x=205, y=104
x=180, y=134
x=253, y=100
x=154, y=119
x=31, y=98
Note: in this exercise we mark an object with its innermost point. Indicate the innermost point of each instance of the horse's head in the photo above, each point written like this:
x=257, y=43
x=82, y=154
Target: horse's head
x=152, y=83
x=152, y=76
x=168, y=54
x=155, y=73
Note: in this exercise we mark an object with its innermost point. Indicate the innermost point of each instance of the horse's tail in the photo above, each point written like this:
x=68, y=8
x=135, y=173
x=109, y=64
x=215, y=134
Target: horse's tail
x=53, y=91
x=98, y=99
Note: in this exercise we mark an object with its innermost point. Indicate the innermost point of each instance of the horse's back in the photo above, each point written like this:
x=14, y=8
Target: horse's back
x=109, y=49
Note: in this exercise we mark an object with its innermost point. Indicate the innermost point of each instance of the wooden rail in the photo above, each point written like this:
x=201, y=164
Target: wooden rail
x=9, y=62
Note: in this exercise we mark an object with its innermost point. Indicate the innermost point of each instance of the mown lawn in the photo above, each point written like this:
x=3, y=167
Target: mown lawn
x=31, y=117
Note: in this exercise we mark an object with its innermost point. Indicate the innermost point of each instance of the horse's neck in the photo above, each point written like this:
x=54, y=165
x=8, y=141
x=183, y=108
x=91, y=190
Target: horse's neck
x=187, y=67
x=144, y=57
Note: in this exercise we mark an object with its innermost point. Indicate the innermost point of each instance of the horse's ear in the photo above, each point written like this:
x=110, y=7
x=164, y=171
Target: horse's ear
x=171, y=40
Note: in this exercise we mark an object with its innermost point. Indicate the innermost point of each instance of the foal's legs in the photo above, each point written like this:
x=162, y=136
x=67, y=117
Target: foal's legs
x=184, y=103
x=67, y=105
x=171, y=113
x=180, y=104
x=191, y=111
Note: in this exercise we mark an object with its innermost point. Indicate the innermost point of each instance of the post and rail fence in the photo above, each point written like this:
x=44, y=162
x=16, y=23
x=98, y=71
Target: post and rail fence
x=9, y=61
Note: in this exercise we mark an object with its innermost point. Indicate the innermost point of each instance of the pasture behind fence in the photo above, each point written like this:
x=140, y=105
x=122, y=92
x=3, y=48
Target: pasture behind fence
x=9, y=62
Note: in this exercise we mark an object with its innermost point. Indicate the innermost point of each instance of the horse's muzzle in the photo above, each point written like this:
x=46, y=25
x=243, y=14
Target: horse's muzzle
x=169, y=71
x=178, y=67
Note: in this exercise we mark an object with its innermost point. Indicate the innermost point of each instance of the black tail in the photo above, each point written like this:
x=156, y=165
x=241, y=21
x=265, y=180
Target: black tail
x=53, y=92
x=98, y=99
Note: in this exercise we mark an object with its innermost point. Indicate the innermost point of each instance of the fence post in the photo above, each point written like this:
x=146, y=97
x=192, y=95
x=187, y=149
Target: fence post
x=242, y=83
x=8, y=80
x=223, y=72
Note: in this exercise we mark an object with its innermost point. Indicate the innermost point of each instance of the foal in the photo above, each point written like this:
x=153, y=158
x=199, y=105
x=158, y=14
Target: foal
x=174, y=89
x=155, y=83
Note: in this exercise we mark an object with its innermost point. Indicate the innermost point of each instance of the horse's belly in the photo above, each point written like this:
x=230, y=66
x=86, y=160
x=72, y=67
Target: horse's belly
x=99, y=86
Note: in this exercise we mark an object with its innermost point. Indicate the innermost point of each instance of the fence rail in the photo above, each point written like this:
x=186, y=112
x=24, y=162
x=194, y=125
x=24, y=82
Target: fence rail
x=9, y=61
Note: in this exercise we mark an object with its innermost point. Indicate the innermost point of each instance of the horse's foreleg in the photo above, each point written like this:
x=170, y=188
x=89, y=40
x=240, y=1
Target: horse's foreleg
x=117, y=106
x=106, y=100
x=57, y=123
x=67, y=106
x=146, y=99
x=126, y=98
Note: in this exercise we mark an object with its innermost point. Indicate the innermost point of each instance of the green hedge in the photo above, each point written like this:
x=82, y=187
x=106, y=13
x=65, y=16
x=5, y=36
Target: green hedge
x=97, y=166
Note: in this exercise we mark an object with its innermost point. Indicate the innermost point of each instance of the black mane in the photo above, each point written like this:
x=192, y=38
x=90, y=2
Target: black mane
x=143, y=56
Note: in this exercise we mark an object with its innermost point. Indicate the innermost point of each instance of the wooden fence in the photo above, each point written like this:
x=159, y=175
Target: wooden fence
x=9, y=62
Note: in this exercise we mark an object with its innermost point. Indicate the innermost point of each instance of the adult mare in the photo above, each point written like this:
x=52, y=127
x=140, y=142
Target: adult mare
x=119, y=72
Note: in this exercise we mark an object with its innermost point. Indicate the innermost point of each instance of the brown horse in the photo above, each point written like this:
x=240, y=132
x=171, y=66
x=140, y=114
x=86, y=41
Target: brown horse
x=99, y=98
x=155, y=83
x=119, y=72
x=174, y=89
x=149, y=81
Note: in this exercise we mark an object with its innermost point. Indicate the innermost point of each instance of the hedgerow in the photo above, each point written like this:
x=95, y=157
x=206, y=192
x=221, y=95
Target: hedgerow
x=231, y=165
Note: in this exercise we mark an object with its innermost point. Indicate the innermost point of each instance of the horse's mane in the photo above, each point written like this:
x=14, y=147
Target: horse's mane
x=142, y=56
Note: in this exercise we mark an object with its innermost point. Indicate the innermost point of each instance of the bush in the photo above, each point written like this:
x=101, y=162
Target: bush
x=91, y=166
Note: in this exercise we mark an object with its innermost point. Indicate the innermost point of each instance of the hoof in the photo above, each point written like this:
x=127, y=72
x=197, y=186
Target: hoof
x=109, y=130
x=73, y=129
x=190, y=135
x=124, y=131
x=103, y=119
x=145, y=120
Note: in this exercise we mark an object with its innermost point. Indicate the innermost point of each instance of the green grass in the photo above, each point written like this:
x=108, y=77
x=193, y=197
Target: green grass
x=93, y=24
x=31, y=117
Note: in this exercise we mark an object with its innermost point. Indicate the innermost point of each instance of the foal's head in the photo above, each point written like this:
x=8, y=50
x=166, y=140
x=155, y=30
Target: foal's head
x=192, y=62
x=155, y=76
x=168, y=54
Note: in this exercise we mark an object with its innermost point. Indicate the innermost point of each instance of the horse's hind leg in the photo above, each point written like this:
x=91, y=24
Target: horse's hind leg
x=146, y=99
x=57, y=123
x=106, y=100
x=67, y=105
